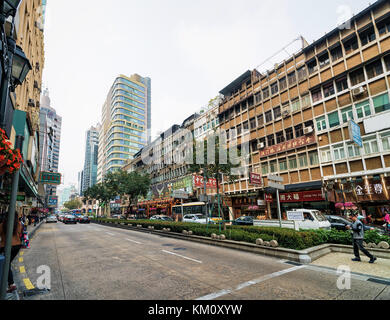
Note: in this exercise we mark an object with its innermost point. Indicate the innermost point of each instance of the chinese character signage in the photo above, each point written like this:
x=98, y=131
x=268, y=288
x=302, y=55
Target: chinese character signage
x=52, y=201
x=289, y=145
x=268, y=198
x=51, y=178
x=304, y=196
x=198, y=182
x=255, y=179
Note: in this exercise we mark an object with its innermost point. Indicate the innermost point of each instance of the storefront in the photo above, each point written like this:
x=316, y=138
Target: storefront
x=156, y=207
x=370, y=195
x=248, y=204
x=314, y=199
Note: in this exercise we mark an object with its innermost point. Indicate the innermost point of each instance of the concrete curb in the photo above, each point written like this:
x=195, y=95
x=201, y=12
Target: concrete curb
x=306, y=256
x=31, y=234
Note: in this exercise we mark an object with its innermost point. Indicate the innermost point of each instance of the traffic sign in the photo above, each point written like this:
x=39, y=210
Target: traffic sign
x=275, y=178
x=275, y=185
x=178, y=194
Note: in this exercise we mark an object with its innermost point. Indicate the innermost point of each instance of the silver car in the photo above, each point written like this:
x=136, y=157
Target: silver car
x=51, y=219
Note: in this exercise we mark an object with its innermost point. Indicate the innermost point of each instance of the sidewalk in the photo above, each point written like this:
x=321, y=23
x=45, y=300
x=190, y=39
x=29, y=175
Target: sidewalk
x=31, y=229
x=381, y=268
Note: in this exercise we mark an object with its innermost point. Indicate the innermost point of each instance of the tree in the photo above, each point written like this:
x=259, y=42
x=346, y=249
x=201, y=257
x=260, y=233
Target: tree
x=100, y=192
x=73, y=204
x=135, y=185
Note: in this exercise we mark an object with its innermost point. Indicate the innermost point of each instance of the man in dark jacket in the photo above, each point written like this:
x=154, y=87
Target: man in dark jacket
x=358, y=238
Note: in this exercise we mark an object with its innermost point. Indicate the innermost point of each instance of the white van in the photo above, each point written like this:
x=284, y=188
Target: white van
x=305, y=219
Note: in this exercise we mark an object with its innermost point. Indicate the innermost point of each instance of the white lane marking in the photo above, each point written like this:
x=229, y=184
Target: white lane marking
x=179, y=255
x=133, y=241
x=111, y=234
x=221, y=293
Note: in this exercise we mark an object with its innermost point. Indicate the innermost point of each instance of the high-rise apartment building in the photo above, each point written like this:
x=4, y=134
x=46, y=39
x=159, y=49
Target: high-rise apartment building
x=126, y=122
x=89, y=174
x=53, y=122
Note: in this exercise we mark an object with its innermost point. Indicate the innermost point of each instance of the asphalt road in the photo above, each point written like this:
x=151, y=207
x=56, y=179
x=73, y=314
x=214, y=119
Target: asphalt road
x=90, y=262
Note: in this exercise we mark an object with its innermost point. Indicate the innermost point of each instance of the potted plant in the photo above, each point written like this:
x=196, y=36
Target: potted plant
x=10, y=160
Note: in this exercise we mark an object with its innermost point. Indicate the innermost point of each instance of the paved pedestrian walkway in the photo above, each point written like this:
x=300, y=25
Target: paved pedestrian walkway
x=31, y=229
x=381, y=268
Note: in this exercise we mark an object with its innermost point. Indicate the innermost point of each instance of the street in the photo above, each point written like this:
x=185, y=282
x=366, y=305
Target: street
x=89, y=262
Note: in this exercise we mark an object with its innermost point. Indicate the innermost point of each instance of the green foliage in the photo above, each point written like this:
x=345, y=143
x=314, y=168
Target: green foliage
x=73, y=204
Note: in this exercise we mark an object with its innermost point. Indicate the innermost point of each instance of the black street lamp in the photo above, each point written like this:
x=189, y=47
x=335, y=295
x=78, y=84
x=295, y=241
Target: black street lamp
x=10, y=7
x=20, y=66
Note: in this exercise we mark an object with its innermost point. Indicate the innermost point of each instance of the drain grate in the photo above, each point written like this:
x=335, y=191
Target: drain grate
x=293, y=263
x=168, y=245
x=35, y=292
x=177, y=249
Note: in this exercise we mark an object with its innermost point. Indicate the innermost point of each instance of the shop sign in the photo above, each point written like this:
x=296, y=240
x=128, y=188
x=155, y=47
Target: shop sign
x=50, y=178
x=295, y=216
x=185, y=183
x=269, y=198
x=162, y=190
x=305, y=196
x=198, y=182
x=52, y=201
x=355, y=133
x=255, y=179
x=289, y=145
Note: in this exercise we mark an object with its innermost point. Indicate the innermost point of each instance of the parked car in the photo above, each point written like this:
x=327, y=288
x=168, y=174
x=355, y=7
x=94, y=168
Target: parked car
x=197, y=218
x=83, y=219
x=70, y=219
x=161, y=218
x=243, y=221
x=341, y=223
x=51, y=219
x=116, y=216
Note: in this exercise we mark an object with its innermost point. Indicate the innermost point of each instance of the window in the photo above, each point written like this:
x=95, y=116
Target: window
x=258, y=97
x=272, y=166
x=334, y=120
x=282, y=83
x=387, y=62
x=244, y=106
x=268, y=116
x=305, y=101
x=347, y=114
x=351, y=45
x=374, y=69
x=299, y=130
x=274, y=88
x=381, y=103
x=239, y=130
x=289, y=134
x=317, y=95
x=336, y=53
x=265, y=93
x=271, y=140
x=313, y=157
x=353, y=150
x=339, y=152
x=254, y=146
x=357, y=77
x=370, y=145
x=321, y=123
x=246, y=126
x=329, y=90
x=292, y=163
x=342, y=84
x=283, y=165
x=280, y=137
x=277, y=112
x=384, y=26
x=312, y=66
x=385, y=141
x=237, y=109
x=295, y=105
x=260, y=120
x=367, y=36
x=324, y=60
x=363, y=109
x=253, y=123
x=302, y=73
x=326, y=155
x=302, y=160
x=292, y=78
x=264, y=168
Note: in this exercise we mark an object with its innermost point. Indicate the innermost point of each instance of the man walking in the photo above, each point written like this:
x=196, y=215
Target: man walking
x=358, y=238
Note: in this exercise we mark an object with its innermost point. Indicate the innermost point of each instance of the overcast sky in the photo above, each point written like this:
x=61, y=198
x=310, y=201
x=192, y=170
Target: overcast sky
x=190, y=50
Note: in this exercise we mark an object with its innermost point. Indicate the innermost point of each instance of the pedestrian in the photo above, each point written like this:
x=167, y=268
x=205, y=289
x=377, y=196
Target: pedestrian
x=369, y=219
x=387, y=221
x=358, y=238
x=16, y=245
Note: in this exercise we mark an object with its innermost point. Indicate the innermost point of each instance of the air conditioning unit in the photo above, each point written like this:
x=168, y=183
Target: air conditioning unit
x=31, y=102
x=285, y=113
x=359, y=91
x=261, y=145
x=308, y=130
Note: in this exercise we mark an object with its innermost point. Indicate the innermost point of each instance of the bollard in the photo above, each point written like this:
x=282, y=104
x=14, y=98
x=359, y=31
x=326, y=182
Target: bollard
x=2, y=263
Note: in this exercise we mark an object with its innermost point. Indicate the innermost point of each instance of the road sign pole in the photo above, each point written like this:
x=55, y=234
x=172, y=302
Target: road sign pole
x=278, y=202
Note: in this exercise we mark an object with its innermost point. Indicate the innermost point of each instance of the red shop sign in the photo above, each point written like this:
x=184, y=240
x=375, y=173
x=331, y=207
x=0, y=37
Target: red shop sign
x=255, y=179
x=268, y=198
x=199, y=182
x=288, y=145
x=305, y=196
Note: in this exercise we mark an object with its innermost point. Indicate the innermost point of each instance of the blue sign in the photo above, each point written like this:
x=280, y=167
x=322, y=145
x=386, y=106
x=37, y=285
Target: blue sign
x=53, y=201
x=355, y=133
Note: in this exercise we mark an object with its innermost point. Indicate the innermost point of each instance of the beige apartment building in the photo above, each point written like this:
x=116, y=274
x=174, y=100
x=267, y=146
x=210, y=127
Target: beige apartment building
x=297, y=117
